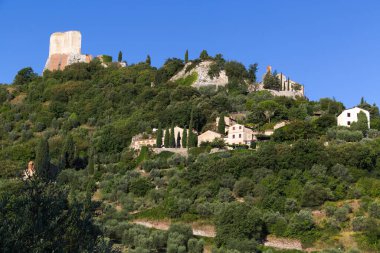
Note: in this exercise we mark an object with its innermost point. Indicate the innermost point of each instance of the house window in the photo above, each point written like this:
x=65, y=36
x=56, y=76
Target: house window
x=233, y=136
x=233, y=128
x=348, y=114
x=239, y=135
x=239, y=127
x=348, y=123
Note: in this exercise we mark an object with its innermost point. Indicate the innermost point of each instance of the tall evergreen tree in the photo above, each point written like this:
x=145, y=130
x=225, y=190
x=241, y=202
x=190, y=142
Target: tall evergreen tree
x=221, y=124
x=178, y=140
x=184, y=138
x=68, y=153
x=204, y=55
x=148, y=60
x=187, y=56
x=252, y=71
x=120, y=56
x=91, y=163
x=192, y=138
x=167, y=138
x=42, y=162
x=159, y=136
x=172, y=137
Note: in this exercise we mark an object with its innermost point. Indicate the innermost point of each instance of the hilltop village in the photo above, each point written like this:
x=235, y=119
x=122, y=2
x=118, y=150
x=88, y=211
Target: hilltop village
x=198, y=155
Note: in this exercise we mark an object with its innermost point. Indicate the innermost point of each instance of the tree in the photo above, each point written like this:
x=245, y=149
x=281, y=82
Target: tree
x=361, y=124
x=148, y=60
x=120, y=56
x=42, y=162
x=24, y=76
x=167, y=138
x=172, y=137
x=91, y=164
x=68, y=153
x=187, y=56
x=159, y=137
x=192, y=138
x=41, y=219
x=252, y=71
x=271, y=81
x=178, y=140
x=221, y=125
x=204, y=55
x=268, y=108
x=184, y=138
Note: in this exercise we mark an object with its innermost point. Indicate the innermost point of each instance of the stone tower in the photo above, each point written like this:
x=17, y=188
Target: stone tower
x=65, y=49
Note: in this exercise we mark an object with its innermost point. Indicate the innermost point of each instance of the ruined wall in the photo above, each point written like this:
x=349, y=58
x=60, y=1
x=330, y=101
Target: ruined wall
x=65, y=49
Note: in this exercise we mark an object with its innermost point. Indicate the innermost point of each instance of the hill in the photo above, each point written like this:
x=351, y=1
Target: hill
x=310, y=181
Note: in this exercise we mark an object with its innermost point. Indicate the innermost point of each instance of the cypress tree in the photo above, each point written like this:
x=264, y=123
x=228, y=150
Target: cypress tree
x=221, y=125
x=120, y=56
x=159, y=137
x=191, y=137
x=91, y=165
x=172, y=137
x=184, y=138
x=148, y=60
x=68, y=153
x=179, y=140
x=187, y=56
x=167, y=138
x=42, y=162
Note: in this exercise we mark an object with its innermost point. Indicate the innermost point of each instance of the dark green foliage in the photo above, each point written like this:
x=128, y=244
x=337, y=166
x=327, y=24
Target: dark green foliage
x=159, y=136
x=68, y=153
x=361, y=124
x=120, y=57
x=167, y=138
x=252, y=72
x=204, y=55
x=221, y=125
x=271, y=81
x=140, y=186
x=238, y=222
x=148, y=60
x=187, y=56
x=172, y=142
x=40, y=219
x=184, y=137
x=107, y=58
x=24, y=76
x=178, y=141
x=42, y=162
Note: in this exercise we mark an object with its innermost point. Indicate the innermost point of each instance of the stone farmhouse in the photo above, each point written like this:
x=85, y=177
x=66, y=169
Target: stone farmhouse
x=208, y=136
x=347, y=117
x=240, y=135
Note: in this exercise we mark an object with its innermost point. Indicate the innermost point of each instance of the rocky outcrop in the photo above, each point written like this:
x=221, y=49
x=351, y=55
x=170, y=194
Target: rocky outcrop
x=203, y=78
x=64, y=50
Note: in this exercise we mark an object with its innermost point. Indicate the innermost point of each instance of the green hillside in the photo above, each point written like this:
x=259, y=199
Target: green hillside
x=310, y=181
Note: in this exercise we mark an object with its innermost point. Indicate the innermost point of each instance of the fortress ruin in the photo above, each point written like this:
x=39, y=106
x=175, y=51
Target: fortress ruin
x=65, y=49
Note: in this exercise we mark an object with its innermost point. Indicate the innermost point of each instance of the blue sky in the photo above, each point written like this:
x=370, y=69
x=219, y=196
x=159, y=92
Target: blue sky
x=331, y=46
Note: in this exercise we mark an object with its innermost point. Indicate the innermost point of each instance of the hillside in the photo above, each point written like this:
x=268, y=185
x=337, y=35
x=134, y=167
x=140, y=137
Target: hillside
x=310, y=184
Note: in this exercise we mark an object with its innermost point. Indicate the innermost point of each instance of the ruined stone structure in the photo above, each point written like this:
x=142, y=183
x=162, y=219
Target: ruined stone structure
x=65, y=49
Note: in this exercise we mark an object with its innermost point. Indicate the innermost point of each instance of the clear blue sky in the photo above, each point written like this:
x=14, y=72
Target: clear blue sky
x=331, y=46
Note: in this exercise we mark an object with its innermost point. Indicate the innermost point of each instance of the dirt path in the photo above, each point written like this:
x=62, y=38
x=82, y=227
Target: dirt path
x=198, y=230
x=209, y=231
x=283, y=243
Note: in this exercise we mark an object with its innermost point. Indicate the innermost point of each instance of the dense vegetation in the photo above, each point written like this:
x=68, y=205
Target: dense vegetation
x=311, y=181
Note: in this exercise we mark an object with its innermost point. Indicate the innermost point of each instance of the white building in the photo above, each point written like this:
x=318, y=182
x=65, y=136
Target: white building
x=239, y=134
x=208, y=136
x=351, y=115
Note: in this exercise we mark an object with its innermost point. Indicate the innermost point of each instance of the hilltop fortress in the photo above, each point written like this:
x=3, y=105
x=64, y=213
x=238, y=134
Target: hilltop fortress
x=65, y=49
